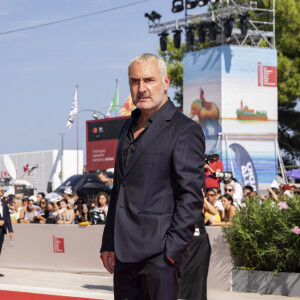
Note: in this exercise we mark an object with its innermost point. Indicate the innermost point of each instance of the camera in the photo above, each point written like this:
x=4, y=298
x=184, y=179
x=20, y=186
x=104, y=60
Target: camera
x=208, y=158
x=224, y=175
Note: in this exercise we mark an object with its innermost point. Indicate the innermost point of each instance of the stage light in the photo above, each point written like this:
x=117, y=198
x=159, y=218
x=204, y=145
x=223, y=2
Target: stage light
x=202, y=2
x=201, y=32
x=95, y=115
x=191, y=4
x=228, y=26
x=163, y=40
x=190, y=36
x=177, y=38
x=244, y=20
x=153, y=16
x=212, y=31
x=177, y=6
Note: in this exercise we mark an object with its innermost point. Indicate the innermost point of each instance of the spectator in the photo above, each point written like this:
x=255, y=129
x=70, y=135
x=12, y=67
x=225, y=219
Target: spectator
x=65, y=215
x=238, y=191
x=214, y=165
x=70, y=196
x=229, y=210
x=215, y=202
x=53, y=211
x=211, y=214
x=96, y=213
x=229, y=189
x=102, y=201
x=39, y=197
x=18, y=211
x=81, y=212
x=104, y=178
x=29, y=212
x=43, y=213
x=247, y=191
x=92, y=204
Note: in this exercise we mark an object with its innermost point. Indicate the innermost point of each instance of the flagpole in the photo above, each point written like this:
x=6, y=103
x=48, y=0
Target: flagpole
x=117, y=83
x=77, y=129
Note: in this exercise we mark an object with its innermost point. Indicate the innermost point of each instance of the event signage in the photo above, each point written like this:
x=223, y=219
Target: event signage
x=58, y=245
x=231, y=91
x=102, y=141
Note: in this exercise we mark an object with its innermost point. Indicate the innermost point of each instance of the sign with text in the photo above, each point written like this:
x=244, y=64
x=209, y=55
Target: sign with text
x=102, y=141
x=58, y=245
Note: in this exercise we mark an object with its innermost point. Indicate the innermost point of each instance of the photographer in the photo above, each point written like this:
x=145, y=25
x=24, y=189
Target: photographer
x=213, y=165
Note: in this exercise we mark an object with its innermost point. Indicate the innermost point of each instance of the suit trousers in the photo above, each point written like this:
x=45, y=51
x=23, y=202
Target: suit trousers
x=1, y=239
x=193, y=283
x=153, y=279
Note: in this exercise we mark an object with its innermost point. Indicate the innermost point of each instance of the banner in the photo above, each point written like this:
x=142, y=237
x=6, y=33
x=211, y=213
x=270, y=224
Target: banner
x=246, y=166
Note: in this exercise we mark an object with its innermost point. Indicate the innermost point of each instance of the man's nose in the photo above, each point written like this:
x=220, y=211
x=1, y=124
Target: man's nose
x=142, y=86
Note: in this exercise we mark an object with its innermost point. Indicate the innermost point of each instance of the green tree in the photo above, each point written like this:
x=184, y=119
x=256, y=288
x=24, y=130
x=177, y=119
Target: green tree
x=288, y=48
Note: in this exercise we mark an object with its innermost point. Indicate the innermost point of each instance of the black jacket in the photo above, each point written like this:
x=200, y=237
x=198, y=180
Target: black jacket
x=156, y=202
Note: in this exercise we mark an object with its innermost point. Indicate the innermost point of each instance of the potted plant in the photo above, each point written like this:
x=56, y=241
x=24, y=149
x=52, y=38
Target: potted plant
x=265, y=240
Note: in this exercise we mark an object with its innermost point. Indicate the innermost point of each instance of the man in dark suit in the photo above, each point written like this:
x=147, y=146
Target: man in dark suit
x=156, y=199
x=5, y=223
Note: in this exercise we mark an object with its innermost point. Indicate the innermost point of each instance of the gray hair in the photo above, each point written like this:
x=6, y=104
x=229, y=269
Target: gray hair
x=162, y=68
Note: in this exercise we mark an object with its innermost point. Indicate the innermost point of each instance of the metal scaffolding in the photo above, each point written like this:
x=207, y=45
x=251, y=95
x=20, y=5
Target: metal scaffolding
x=261, y=23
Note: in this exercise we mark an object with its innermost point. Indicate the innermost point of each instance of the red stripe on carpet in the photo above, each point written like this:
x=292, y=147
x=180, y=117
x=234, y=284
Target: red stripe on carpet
x=9, y=295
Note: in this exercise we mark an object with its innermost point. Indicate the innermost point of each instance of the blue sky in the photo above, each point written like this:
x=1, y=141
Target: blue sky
x=41, y=67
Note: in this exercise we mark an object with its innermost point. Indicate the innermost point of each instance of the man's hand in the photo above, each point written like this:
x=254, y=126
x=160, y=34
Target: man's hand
x=11, y=235
x=2, y=222
x=108, y=259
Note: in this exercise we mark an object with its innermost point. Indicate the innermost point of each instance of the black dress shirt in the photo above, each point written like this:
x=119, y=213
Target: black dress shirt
x=130, y=144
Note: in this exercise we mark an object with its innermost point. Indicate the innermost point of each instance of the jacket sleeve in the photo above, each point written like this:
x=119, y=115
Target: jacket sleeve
x=108, y=234
x=7, y=218
x=188, y=177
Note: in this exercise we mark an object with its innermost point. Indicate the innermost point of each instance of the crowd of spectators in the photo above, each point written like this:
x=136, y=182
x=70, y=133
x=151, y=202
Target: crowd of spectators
x=53, y=208
x=69, y=209
x=220, y=205
x=228, y=202
x=233, y=195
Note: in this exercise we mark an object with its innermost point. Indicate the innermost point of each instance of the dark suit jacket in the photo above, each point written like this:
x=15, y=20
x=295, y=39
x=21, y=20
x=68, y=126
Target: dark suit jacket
x=156, y=202
x=6, y=217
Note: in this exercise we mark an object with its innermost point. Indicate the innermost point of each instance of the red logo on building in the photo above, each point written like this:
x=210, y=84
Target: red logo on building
x=58, y=245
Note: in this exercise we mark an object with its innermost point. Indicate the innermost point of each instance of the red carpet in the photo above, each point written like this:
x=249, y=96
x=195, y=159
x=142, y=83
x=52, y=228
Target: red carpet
x=8, y=295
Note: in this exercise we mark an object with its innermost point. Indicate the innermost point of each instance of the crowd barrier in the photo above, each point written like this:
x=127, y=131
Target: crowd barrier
x=75, y=249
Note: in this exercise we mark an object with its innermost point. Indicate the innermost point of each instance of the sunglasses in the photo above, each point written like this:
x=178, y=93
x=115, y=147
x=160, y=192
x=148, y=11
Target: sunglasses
x=31, y=203
x=211, y=194
x=228, y=190
x=43, y=202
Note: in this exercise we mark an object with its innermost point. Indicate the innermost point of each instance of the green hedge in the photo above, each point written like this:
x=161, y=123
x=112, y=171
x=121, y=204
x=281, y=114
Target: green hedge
x=266, y=236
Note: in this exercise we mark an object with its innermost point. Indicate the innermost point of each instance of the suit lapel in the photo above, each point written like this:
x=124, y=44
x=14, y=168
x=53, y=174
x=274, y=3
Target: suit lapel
x=119, y=153
x=151, y=133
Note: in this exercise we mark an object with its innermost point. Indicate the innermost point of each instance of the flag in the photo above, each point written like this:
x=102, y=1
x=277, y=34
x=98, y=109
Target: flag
x=114, y=103
x=128, y=107
x=246, y=166
x=74, y=108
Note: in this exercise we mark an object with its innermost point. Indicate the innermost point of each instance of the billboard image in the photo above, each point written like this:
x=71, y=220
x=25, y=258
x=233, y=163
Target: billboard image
x=232, y=92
